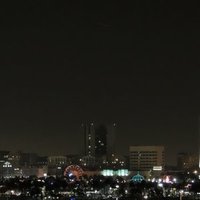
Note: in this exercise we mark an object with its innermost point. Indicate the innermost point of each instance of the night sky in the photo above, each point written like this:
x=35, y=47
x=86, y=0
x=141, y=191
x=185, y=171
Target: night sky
x=135, y=64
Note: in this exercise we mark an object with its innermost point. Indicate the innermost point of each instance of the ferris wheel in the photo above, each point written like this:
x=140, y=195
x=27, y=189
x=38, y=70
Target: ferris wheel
x=74, y=170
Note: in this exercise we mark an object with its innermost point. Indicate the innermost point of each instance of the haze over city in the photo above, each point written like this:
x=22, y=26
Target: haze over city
x=126, y=63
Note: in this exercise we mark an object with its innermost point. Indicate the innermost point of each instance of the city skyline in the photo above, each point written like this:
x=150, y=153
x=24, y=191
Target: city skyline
x=80, y=146
x=133, y=64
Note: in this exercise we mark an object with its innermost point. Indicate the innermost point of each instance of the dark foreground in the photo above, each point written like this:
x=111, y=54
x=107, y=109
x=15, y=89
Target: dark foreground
x=82, y=198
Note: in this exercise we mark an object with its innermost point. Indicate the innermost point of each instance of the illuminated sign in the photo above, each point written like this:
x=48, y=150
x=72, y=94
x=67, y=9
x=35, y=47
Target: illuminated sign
x=157, y=168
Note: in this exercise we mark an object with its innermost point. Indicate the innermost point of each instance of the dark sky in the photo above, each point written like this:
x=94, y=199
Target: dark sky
x=136, y=64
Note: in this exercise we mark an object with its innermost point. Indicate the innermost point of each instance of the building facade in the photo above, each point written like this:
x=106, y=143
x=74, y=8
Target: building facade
x=187, y=161
x=145, y=158
x=101, y=141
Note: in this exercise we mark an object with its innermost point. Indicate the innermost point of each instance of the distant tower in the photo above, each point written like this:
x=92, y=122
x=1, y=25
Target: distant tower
x=111, y=137
x=89, y=139
x=101, y=141
x=199, y=138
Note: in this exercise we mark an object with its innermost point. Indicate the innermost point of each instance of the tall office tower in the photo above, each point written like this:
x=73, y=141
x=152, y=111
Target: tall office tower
x=100, y=141
x=111, y=151
x=145, y=158
x=199, y=138
x=89, y=139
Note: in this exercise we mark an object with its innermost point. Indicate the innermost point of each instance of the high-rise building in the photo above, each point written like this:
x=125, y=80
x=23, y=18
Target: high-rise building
x=101, y=141
x=199, y=138
x=145, y=158
x=89, y=139
x=111, y=136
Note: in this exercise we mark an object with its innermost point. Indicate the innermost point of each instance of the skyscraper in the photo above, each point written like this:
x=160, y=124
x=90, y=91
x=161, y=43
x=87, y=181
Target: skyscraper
x=89, y=139
x=101, y=141
x=199, y=138
x=111, y=151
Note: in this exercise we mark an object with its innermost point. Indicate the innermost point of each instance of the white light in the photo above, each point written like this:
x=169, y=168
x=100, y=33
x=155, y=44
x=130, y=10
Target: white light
x=160, y=185
x=175, y=180
x=167, y=179
x=157, y=168
x=70, y=174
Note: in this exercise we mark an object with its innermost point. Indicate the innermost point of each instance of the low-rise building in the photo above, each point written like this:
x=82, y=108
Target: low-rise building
x=146, y=158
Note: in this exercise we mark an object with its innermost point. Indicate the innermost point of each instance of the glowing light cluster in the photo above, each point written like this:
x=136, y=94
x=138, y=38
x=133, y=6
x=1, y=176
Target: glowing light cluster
x=120, y=172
